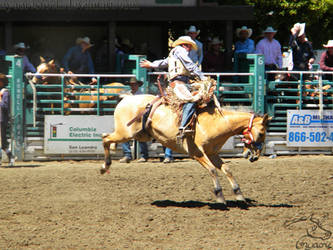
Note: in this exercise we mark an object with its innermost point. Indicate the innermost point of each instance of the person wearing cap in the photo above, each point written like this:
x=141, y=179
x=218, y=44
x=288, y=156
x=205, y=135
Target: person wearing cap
x=20, y=49
x=180, y=68
x=244, y=44
x=303, y=56
x=135, y=90
x=214, y=59
x=195, y=55
x=78, y=59
x=4, y=118
x=271, y=49
x=326, y=59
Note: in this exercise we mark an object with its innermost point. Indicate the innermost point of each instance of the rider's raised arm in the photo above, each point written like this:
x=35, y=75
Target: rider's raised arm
x=160, y=63
x=192, y=67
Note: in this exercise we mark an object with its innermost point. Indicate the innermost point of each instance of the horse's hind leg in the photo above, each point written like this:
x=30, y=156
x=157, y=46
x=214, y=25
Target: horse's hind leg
x=206, y=162
x=217, y=161
x=109, y=139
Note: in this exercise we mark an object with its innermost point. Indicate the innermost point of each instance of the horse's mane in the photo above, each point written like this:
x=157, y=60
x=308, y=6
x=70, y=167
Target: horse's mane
x=245, y=109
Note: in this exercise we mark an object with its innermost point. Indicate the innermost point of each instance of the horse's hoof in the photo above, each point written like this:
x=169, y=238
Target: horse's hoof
x=103, y=170
x=246, y=154
x=221, y=201
x=240, y=198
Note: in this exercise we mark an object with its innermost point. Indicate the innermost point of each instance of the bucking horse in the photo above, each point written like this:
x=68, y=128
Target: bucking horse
x=213, y=127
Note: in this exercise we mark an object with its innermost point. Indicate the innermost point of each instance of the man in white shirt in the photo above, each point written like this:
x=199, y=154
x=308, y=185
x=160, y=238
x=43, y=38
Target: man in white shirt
x=271, y=49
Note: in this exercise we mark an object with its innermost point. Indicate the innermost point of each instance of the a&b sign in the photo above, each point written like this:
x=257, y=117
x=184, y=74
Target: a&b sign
x=75, y=134
x=305, y=128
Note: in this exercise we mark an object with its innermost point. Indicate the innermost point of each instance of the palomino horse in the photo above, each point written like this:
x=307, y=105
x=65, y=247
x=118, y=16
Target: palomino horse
x=212, y=129
x=117, y=88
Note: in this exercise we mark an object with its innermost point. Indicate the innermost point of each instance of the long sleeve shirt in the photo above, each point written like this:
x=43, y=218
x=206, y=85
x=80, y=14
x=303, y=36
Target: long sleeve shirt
x=326, y=62
x=302, y=53
x=27, y=65
x=197, y=55
x=77, y=61
x=183, y=55
x=271, y=51
x=245, y=47
x=4, y=106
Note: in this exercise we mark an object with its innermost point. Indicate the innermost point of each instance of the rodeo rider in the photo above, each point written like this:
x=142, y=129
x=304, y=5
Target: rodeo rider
x=180, y=67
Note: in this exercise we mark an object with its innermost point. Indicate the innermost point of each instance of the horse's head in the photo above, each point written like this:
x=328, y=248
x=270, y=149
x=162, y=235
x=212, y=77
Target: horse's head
x=254, y=137
x=43, y=68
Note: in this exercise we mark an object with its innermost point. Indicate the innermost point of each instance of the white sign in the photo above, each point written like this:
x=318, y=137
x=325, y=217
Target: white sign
x=306, y=129
x=75, y=134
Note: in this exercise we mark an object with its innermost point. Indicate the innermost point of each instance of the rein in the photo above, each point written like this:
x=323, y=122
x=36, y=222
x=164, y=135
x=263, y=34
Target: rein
x=248, y=131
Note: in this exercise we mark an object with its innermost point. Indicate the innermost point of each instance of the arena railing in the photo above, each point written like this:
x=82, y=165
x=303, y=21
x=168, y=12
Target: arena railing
x=296, y=90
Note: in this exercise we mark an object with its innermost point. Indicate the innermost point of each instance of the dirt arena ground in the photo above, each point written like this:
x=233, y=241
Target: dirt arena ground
x=69, y=205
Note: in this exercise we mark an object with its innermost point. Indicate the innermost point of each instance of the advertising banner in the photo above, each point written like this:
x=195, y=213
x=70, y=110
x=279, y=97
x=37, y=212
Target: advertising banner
x=75, y=134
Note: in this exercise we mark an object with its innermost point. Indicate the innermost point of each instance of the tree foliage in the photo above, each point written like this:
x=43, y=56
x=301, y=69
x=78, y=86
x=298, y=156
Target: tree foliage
x=282, y=14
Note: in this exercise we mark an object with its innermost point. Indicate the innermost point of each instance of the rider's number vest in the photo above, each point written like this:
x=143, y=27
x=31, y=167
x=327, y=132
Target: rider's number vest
x=176, y=68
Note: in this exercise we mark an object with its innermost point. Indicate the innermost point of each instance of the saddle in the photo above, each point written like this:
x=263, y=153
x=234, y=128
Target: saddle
x=202, y=91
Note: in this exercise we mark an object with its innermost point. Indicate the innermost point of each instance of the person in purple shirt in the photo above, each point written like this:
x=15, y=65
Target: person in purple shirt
x=244, y=44
x=20, y=49
x=4, y=118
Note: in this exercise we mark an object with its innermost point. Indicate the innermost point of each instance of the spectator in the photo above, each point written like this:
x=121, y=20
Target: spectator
x=20, y=49
x=214, y=59
x=168, y=157
x=326, y=59
x=195, y=55
x=244, y=44
x=303, y=56
x=135, y=90
x=4, y=118
x=78, y=59
x=271, y=49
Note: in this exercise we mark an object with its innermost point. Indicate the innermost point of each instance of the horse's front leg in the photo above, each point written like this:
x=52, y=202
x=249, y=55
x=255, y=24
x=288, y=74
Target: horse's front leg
x=218, y=163
x=206, y=163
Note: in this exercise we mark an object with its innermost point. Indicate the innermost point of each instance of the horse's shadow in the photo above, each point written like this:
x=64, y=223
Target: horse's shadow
x=217, y=206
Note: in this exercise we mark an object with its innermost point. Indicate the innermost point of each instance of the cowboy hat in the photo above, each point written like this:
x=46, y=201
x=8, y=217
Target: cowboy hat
x=21, y=45
x=329, y=44
x=215, y=41
x=185, y=40
x=193, y=29
x=84, y=40
x=133, y=80
x=270, y=29
x=300, y=27
x=244, y=28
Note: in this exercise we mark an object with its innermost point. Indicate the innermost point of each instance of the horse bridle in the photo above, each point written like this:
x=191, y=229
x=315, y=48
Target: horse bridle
x=249, y=133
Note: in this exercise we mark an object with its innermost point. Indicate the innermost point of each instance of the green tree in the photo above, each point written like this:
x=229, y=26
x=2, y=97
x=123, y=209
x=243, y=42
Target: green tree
x=282, y=14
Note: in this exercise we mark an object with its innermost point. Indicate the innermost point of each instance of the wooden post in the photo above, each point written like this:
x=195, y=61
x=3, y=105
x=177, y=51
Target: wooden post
x=112, y=46
x=228, y=43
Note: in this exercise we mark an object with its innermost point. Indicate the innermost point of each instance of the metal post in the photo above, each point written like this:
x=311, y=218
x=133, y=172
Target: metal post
x=140, y=73
x=98, y=95
x=62, y=95
x=321, y=104
x=258, y=82
x=16, y=85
